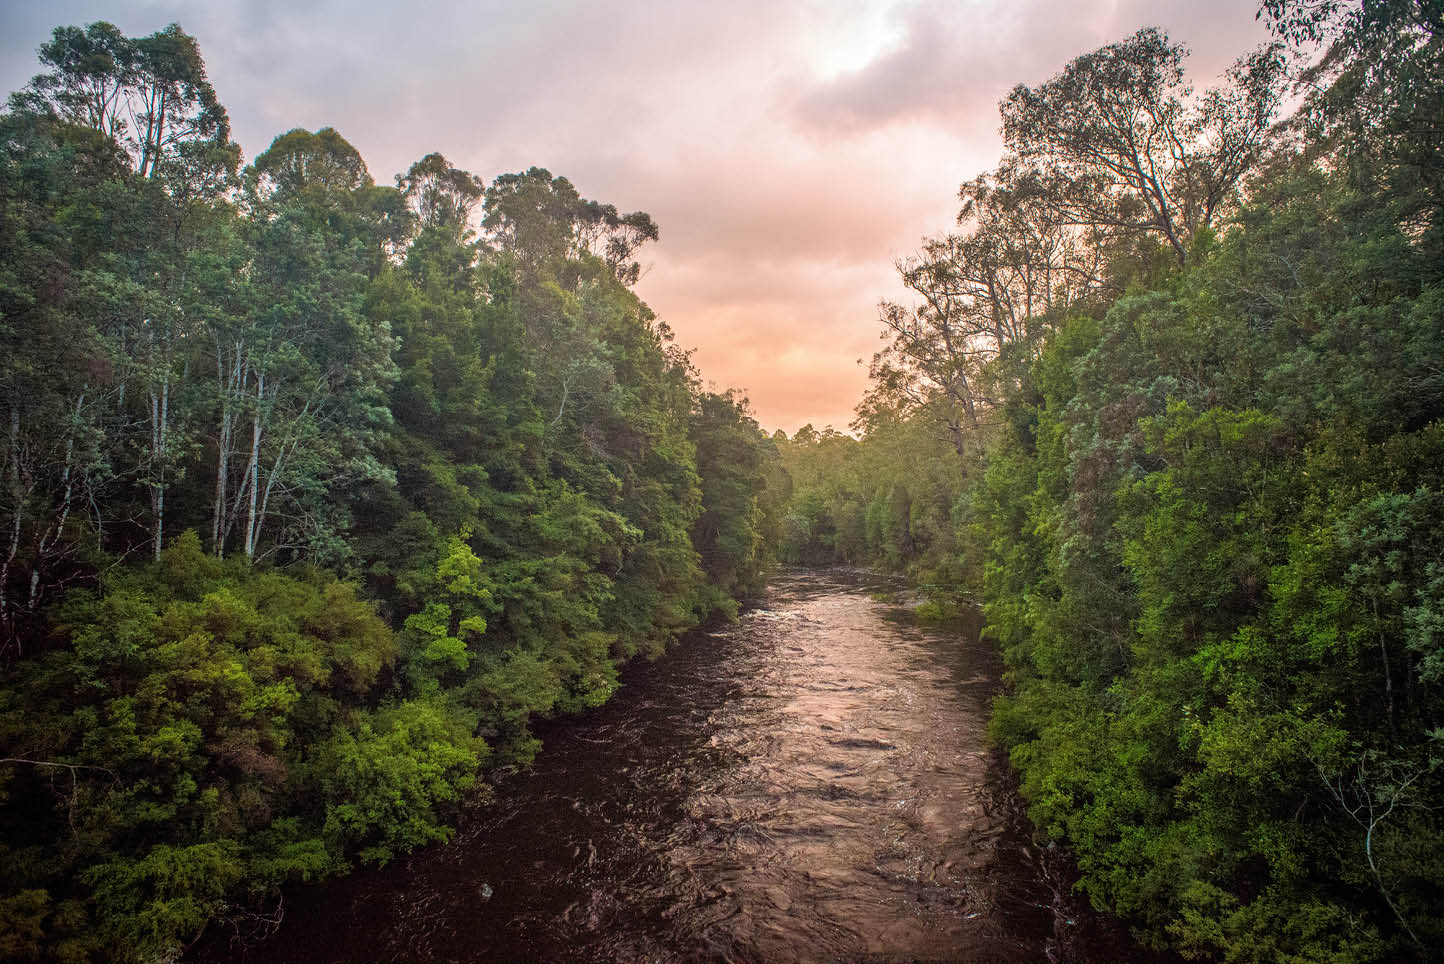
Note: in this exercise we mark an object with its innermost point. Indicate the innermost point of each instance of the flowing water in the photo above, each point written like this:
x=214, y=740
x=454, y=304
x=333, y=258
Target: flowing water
x=811, y=784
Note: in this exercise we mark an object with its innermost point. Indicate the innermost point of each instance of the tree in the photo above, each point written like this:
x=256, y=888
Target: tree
x=1124, y=148
x=301, y=376
x=440, y=195
x=1374, y=95
x=1013, y=267
x=134, y=245
x=543, y=220
x=149, y=94
x=729, y=532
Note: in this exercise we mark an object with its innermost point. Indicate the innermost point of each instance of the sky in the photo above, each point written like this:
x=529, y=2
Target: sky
x=791, y=151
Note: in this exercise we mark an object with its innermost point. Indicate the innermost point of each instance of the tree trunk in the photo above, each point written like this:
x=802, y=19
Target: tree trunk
x=17, y=503
x=229, y=382
x=254, y=470
x=160, y=419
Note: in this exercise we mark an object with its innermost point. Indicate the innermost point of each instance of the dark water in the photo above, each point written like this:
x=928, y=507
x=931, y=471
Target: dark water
x=812, y=784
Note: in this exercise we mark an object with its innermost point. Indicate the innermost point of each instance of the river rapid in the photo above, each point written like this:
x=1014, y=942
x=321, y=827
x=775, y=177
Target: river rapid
x=810, y=784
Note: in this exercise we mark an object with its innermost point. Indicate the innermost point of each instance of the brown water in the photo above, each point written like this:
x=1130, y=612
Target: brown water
x=811, y=784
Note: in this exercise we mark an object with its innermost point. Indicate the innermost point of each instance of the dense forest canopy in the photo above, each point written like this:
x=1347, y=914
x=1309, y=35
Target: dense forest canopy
x=1167, y=406
x=315, y=491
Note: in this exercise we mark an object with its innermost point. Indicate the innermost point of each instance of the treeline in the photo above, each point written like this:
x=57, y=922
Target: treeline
x=312, y=496
x=1170, y=405
x=885, y=500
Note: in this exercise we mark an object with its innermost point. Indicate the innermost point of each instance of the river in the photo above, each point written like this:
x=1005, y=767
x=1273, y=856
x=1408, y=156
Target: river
x=810, y=784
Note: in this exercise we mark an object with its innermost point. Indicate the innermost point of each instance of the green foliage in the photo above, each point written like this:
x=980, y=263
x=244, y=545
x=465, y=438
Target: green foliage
x=437, y=639
x=1191, y=432
x=1213, y=579
x=385, y=773
x=491, y=438
x=145, y=904
x=889, y=499
x=733, y=532
x=184, y=714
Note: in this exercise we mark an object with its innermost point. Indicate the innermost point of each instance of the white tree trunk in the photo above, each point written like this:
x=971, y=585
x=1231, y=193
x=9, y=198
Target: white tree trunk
x=253, y=472
x=159, y=429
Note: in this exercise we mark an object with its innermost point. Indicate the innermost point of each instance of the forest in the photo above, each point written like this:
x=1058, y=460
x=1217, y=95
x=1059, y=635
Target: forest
x=314, y=496
x=317, y=493
x=1167, y=407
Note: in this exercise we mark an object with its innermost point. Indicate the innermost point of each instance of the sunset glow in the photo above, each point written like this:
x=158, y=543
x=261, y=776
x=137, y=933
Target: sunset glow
x=790, y=152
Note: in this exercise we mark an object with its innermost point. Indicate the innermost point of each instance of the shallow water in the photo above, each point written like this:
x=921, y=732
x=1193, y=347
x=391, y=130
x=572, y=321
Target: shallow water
x=811, y=784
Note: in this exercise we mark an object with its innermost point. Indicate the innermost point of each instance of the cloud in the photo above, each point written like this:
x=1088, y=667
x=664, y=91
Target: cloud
x=956, y=60
x=926, y=77
x=790, y=150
